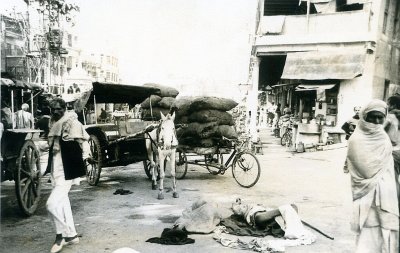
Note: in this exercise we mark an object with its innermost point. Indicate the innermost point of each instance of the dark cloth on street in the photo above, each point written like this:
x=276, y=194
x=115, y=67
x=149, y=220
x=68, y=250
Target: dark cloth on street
x=237, y=225
x=172, y=236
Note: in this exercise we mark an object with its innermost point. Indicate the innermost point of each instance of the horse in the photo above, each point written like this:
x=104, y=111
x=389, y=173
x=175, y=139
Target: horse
x=160, y=145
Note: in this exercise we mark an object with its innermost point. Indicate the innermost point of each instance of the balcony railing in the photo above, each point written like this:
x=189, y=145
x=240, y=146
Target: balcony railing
x=317, y=28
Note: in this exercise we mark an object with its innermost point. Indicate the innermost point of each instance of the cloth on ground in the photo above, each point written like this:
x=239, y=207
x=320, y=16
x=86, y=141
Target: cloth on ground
x=172, y=236
x=201, y=217
x=237, y=225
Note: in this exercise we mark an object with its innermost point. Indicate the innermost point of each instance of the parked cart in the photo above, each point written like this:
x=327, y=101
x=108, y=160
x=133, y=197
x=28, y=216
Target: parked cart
x=122, y=141
x=20, y=159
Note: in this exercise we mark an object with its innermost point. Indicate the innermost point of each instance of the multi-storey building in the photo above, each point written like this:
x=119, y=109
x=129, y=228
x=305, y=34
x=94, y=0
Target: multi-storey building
x=323, y=57
x=102, y=67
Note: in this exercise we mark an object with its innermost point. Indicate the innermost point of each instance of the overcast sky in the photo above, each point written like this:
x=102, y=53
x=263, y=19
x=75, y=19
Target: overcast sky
x=190, y=44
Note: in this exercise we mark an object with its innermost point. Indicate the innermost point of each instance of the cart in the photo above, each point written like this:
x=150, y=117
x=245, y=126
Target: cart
x=122, y=141
x=245, y=166
x=20, y=157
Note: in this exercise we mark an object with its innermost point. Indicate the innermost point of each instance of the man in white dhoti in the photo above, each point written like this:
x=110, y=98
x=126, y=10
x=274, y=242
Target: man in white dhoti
x=23, y=118
x=68, y=147
x=375, y=203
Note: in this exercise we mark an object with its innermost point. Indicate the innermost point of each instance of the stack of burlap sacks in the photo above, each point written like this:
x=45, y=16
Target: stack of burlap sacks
x=161, y=103
x=207, y=119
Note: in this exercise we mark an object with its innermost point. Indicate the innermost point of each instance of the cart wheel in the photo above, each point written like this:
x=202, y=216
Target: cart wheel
x=214, y=163
x=93, y=170
x=246, y=169
x=181, y=164
x=27, y=178
x=147, y=168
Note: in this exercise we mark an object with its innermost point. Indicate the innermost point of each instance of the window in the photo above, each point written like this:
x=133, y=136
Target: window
x=341, y=5
x=396, y=21
x=108, y=76
x=287, y=7
x=385, y=16
x=386, y=90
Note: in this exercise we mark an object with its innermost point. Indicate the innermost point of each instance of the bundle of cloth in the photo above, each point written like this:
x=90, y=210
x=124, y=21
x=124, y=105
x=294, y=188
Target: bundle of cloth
x=153, y=105
x=207, y=119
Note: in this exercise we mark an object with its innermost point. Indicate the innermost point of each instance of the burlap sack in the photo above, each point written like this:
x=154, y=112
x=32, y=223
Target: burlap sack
x=219, y=131
x=203, y=103
x=194, y=129
x=166, y=102
x=154, y=101
x=166, y=91
x=223, y=118
x=182, y=104
x=146, y=113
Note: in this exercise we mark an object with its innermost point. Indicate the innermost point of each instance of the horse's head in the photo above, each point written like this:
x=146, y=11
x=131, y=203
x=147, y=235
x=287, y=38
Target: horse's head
x=167, y=136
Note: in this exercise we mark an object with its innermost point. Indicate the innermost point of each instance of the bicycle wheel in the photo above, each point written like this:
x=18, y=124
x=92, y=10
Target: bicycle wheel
x=284, y=139
x=246, y=169
x=180, y=164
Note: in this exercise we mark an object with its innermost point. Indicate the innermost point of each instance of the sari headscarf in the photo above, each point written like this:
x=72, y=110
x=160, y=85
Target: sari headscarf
x=369, y=151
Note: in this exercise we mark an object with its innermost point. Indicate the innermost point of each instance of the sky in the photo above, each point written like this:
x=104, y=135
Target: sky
x=201, y=47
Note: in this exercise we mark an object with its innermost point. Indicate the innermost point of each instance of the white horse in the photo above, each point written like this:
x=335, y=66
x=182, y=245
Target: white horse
x=162, y=144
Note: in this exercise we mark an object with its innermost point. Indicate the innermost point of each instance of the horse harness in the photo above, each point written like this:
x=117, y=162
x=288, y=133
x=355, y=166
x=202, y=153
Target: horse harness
x=160, y=144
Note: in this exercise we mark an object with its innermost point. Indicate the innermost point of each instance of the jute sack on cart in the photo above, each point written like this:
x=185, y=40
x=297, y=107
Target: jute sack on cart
x=166, y=102
x=195, y=129
x=154, y=101
x=197, y=142
x=166, y=91
x=182, y=104
x=204, y=103
x=211, y=115
x=219, y=132
x=147, y=113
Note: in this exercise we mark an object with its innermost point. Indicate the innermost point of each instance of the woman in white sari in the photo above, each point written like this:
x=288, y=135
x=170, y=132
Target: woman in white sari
x=375, y=203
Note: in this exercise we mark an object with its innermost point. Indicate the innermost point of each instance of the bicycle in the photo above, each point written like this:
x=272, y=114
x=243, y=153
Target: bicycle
x=246, y=169
x=286, y=139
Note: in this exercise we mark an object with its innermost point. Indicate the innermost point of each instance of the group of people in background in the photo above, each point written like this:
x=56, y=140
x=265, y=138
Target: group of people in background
x=373, y=161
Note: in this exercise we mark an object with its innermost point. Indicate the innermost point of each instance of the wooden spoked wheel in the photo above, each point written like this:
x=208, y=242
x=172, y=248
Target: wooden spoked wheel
x=28, y=178
x=93, y=170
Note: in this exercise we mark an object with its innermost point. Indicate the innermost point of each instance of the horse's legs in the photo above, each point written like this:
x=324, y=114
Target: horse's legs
x=172, y=161
x=161, y=158
x=152, y=157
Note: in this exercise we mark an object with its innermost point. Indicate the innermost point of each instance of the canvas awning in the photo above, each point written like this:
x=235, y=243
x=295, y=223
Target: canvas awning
x=6, y=82
x=316, y=65
x=307, y=87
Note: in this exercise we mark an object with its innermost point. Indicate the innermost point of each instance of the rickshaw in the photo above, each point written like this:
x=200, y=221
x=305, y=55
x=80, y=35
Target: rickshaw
x=20, y=158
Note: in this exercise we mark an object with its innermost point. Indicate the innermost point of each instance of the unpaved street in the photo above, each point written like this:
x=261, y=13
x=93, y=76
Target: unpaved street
x=314, y=181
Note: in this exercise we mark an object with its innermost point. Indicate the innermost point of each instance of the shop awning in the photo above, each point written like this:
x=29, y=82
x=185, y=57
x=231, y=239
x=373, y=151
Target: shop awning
x=19, y=84
x=316, y=65
x=307, y=87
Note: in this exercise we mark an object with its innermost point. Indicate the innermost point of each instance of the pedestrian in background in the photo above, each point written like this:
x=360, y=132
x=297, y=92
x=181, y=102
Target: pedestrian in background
x=375, y=203
x=350, y=125
x=391, y=127
x=68, y=147
x=23, y=118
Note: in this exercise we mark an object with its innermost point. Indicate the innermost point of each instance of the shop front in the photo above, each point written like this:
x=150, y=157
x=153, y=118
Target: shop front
x=319, y=76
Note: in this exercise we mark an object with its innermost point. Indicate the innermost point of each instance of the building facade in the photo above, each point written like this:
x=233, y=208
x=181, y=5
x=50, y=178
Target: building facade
x=102, y=67
x=323, y=57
